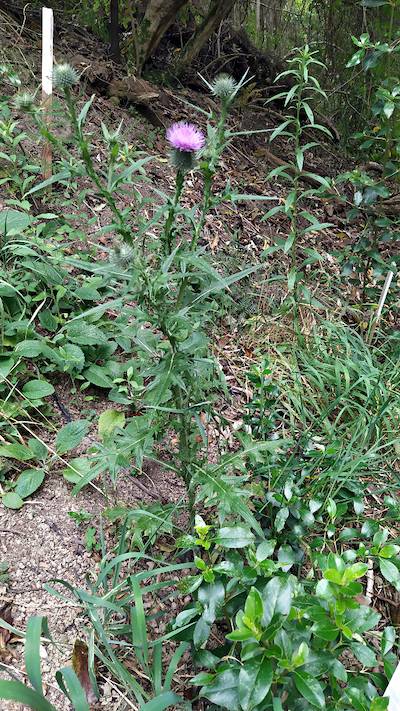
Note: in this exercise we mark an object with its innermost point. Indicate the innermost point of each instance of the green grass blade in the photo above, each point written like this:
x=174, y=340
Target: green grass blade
x=157, y=668
x=32, y=652
x=172, y=667
x=75, y=691
x=164, y=701
x=17, y=691
x=138, y=626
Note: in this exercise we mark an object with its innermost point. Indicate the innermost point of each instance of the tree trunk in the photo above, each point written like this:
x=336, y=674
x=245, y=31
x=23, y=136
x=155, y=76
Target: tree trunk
x=158, y=17
x=258, y=21
x=219, y=10
x=114, y=30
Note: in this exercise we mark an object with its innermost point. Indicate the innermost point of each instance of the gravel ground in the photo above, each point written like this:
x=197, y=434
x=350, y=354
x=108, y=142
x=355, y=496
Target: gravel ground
x=41, y=542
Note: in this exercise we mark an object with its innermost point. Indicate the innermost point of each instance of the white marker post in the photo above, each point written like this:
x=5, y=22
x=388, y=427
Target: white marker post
x=381, y=304
x=393, y=691
x=47, y=84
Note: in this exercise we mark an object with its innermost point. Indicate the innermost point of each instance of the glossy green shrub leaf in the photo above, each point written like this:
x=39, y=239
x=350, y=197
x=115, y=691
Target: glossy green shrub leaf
x=265, y=550
x=389, y=571
x=379, y=703
x=277, y=597
x=255, y=679
x=253, y=608
x=388, y=639
x=364, y=654
x=223, y=691
x=310, y=689
x=234, y=537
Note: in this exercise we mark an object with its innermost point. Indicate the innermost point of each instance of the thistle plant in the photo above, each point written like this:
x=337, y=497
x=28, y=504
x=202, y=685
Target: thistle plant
x=182, y=306
x=299, y=120
x=160, y=267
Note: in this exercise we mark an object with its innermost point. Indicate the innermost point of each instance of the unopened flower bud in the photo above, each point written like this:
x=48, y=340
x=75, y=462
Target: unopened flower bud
x=65, y=76
x=224, y=86
x=24, y=101
x=122, y=256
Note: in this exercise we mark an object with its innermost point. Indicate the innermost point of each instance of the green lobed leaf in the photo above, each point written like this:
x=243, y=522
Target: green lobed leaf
x=28, y=482
x=71, y=435
x=29, y=348
x=109, y=421
x=13, y=220
x=85, y=334
x=37, y=389
x=16, y=451
x=99, y=375
x=12, y=501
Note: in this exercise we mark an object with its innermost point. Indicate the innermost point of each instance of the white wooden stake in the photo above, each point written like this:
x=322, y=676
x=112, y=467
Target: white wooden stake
x=47, y=83
x=381, y=304
x=393, y=690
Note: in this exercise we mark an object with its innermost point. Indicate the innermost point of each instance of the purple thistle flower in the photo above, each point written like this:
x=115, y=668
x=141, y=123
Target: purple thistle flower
x=185, y=137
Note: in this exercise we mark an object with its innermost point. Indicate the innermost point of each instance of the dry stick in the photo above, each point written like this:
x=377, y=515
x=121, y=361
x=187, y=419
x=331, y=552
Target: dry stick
x=47, y=84
x=381, y=304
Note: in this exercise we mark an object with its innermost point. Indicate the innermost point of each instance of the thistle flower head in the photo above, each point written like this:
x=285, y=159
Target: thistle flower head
x=185, y=137
x=122, y=256
x=185, y=140
x=24, y=101
x=224, y=86
x=65, y=76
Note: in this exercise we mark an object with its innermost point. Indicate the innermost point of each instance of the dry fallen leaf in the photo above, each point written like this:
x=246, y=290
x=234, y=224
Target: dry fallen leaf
x=5, y=635
x=81, y=669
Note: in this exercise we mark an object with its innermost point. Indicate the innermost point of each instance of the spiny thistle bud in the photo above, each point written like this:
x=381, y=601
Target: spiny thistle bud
x=65, y=76
x=24, y=101
x=122, y=256
x=224, y=86
x=185, y=140
x=182, y=160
